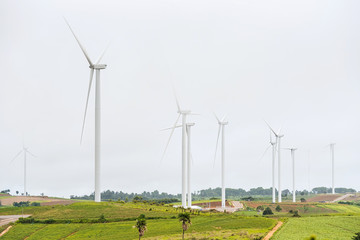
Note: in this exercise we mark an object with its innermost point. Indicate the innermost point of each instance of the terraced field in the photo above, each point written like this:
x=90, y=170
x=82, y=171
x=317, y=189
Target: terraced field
x=326, y=227
x=225, y=226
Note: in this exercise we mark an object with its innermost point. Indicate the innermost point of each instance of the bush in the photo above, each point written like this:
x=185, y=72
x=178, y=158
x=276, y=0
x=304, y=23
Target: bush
x=21, y=204
x=302, y=200
x=296, y=214
x=278, y=208
x=267, y=211
x=357, y=236
x=102, y=218
x=27, y=220
x=49, y=221
x=260, y=208
x=35, y=204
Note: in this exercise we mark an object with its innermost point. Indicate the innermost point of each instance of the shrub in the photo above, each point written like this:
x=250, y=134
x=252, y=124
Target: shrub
x=302, y=200
x=267, y=211
x=21, y=204
x=296, y=214
x=102, y=218
x=261, y=208
x=49, y=221
x=35, y=204
x=357, y=236
x=278, y=208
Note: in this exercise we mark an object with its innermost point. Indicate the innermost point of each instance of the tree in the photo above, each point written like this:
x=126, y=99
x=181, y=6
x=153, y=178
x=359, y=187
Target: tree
x=141, y=225
x=17, y=192
x=186, y=221
x=267, y=211
x=357, y=236
x=278, y=208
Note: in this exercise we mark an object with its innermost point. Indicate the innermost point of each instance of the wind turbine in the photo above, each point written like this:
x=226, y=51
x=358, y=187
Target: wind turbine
x=332, y=146
x=278, y=140
x=293, y=165
x=188, y=131
x=184, y=114
x=222, y=124
x=273, y=145
x=25, y=151
x=94, y=66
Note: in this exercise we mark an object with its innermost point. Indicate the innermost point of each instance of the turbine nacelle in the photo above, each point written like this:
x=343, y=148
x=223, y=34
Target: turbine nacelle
x=98, y=66
x=185, y=112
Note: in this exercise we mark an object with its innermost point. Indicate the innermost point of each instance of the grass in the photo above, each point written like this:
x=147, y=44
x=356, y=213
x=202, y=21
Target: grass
x=221, y=225
x=326, y=227
x=342, y=208
x=92, y=210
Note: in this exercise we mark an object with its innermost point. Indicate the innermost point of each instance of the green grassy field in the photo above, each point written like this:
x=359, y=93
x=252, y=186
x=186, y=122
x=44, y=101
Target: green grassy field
x=92, y=210
x=326, y=227
x=162, y=228
x=317, y=218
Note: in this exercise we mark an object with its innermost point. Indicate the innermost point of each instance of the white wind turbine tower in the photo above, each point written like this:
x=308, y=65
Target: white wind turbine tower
x=184, y=114
x=273, y=145
x=188, y=131
x=332, y=146
x=93, y=67
x=278, y=141
x=25, y=151
x=293, y=169
x=222, y=124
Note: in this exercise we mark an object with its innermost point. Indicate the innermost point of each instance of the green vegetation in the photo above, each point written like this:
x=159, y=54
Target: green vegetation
x=141, y=225
x=267, y=211
x=325, y=227
x=204, y=225
x=356, y=237
x=185, y=220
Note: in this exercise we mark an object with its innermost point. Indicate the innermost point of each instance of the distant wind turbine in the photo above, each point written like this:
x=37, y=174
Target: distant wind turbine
x=332, y=146
x=25, y=151
x=293, y=169
x=273, y=145
x=94, y=66
x=222, y=124
x=188, y=131
x=184, y=114
x=278, y=140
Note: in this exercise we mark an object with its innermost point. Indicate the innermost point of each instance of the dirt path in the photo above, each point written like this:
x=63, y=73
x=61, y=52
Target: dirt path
x=5, y=231
x=271, y=233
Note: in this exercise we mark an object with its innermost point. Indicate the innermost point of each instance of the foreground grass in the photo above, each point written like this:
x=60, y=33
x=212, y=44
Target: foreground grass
x=228, y=226
x=91, y=210
x=326, y=227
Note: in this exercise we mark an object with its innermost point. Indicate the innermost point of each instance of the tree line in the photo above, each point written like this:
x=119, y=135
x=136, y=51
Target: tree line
x=206, y=194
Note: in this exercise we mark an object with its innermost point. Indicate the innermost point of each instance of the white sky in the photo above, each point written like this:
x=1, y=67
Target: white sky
x=294, y=63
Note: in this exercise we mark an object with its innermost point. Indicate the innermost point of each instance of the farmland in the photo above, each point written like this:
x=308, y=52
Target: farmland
x=325, y=227
x=80, y=220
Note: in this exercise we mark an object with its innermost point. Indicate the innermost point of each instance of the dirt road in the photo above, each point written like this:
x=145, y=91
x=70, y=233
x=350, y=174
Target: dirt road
x=271, y=233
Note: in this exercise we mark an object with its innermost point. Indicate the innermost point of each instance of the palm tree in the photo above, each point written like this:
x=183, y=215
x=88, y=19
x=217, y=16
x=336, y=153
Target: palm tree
x=141, y=225
x=186, y=221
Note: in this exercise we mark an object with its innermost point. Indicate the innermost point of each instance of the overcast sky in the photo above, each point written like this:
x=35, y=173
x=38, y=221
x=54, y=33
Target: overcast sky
x=293, y=63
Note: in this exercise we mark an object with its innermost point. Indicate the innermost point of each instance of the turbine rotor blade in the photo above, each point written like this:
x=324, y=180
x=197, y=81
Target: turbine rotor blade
x=81, y=46
x=223, y=117
x=172, y=131
x=262, y=156
x=217, y=142
x=164, y=129
x=217, y=118
x=16, y=156
x=103, y=53
x=176, y=99
x=87, y=101
x=30, y=153
x=270, y=128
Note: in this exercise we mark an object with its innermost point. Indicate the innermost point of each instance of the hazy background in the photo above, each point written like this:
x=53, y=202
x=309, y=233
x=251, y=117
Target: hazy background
x=294, y=63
